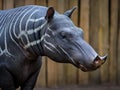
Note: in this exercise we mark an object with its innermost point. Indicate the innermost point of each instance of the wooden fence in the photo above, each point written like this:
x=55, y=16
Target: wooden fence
x=100, y=20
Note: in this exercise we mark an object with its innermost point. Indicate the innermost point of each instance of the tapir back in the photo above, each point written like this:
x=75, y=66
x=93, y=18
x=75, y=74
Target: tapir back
x=21, y=15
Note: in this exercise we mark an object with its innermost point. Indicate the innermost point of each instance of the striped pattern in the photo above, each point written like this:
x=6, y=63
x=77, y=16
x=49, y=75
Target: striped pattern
x=24, y=24
x=21, y=24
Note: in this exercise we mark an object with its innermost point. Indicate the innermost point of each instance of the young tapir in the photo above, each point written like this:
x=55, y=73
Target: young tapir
x=29, y=32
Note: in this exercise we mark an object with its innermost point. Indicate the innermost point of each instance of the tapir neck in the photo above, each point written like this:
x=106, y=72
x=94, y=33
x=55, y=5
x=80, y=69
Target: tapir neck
x=24, y=29
x=31, y=38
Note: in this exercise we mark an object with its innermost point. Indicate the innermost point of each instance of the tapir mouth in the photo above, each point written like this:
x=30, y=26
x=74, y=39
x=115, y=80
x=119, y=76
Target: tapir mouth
x=97, y=62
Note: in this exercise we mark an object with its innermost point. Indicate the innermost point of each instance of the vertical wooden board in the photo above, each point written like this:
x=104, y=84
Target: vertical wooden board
x=8, y=4
x=104, y=38
x=19, y=3
x=41, y=2
x=1, y=4
x=94, y=29
x=84, y=24
x=118, y=50
x=70, y=74
x=84, y=18
x=51, y=73
x=71, y=71
x=29, y=2
x=63, y=5
x=41, y=81
x=113, y=41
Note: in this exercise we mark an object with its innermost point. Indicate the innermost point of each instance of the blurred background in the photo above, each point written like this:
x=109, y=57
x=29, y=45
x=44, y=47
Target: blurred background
x=100, y=20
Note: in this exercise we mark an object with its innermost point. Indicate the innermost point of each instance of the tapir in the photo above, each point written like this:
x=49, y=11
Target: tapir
x=30, y=32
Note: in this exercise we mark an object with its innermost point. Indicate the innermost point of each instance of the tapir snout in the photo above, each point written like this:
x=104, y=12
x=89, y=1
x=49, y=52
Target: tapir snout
x=98, y=61
x=87, y=58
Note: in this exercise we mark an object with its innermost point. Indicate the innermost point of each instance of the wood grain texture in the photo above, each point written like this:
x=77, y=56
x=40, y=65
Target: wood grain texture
x=94, y=36
x=19, y=3
x=1, y=4
x=29, y=2
x=84, y=24
x=8, y=4
x=113, y=41
x=118, y=47
x=104, y=38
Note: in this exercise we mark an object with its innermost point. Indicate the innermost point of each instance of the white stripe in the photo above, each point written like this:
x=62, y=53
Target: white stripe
x=67, y=54
x=1, y=51
x=32, y=43
x=14, y=25
x=31, y=31
x=17, y=19
x=45, y=35
x=48, y=48
x=50, y=29
x=36, y=20
x=50, y=44
x=20, y=26
x=2, y=22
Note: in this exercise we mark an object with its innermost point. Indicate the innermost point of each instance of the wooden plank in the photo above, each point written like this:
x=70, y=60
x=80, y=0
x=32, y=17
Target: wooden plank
x=84, y=24
x=53, y=3
x=8, y=4
x=113, y=41
x=19, y=3
x=51, y=73
x=94, y=30
x=104, y=38
x=62, y=6
x=41, y=2
x=29, y=2
x=42, y=77
x=1, y=4
x=118, y=50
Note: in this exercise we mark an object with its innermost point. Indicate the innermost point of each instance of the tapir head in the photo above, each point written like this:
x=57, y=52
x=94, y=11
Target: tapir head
x=63, y=42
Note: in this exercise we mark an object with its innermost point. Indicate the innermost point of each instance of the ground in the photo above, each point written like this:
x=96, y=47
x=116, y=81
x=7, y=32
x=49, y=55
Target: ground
x=108, y=87
x=82, y=88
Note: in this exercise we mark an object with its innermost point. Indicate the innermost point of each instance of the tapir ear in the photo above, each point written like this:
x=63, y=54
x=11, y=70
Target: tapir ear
x=50, y=13
x=69, y=12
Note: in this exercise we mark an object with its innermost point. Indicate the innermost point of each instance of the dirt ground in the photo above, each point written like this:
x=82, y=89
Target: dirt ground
x=82, y=88
x=108, y=87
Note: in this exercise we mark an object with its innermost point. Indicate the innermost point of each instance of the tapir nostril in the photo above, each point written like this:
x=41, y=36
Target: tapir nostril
x=99, y=60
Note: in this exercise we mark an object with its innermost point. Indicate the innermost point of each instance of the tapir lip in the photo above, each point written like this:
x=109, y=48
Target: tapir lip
x=98, y=61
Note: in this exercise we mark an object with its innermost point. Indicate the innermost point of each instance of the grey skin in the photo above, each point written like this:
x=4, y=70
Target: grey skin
x=54, y=35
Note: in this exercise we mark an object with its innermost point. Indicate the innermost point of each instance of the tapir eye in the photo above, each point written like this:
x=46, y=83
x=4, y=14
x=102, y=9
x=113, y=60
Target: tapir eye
x=63, y=35
x=66, y=35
